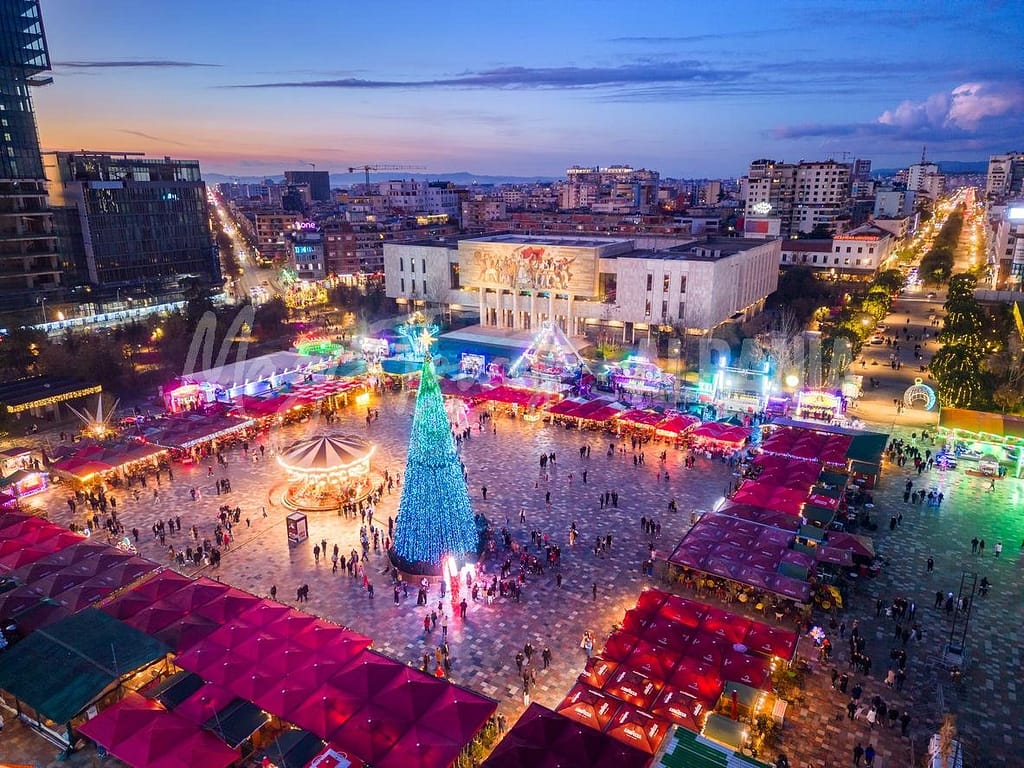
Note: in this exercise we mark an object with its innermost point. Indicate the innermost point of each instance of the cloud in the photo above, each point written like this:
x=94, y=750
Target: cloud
x=152, y=137
x=512, y=78
x=969, y=114
x=132, y=64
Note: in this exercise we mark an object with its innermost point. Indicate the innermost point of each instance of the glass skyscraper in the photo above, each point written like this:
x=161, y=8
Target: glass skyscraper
x=30, y=273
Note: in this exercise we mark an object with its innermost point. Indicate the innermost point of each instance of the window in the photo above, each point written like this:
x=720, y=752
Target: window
x=682, y=284
x=664, y=308
x=414, y=286
x=401, y=264
x=858, y=262
x=423, y=263
x=846, y=262
x=682, y=307
x=665, y=283
x=412, y=266
x=849, y=249
x=403, y=285
x=814, y=258
x=860, y=249
x=453, y=276
x=647, y=307
x=650, y=286
x=837, y=249
x=836, y=261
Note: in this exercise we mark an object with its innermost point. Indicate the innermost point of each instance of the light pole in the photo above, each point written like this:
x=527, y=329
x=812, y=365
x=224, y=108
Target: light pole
x=42, y=306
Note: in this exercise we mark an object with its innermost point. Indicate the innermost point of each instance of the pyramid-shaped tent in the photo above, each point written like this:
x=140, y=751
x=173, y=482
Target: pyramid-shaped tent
x=551, y=353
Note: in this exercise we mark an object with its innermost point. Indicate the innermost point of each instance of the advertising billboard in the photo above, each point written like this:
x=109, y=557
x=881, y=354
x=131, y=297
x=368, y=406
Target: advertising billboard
x=532, y=266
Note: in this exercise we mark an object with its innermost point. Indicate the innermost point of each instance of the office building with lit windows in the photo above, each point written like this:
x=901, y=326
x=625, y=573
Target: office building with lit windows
x=132, y=226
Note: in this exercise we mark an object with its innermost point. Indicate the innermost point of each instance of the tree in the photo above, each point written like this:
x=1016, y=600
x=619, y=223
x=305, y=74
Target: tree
x=435, y=519
x=936, y=266
x=820, y=232
x=891, y=280
x=270, y=318
x=1008, y=397
x=957, y=369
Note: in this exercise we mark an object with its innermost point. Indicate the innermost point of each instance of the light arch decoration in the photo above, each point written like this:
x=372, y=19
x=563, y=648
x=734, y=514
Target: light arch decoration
x=919, y=392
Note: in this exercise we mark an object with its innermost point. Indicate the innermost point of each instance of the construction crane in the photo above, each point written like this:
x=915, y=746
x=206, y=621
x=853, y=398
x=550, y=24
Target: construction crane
x=383, y=167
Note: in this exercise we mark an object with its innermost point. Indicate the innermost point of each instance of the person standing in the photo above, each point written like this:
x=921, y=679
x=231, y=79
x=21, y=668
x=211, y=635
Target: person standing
x=869, y=756
x=858, y=753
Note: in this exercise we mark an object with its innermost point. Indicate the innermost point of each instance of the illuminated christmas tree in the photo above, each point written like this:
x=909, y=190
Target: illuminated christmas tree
x=550, y=353
x=434, y=515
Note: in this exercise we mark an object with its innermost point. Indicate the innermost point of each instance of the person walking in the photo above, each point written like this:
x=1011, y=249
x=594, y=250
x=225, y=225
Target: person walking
x=998, y=548
x=869, y=756
x=593, y=590
x=858, y=753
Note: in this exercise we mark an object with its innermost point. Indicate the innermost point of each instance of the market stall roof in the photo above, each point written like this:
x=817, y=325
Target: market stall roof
x=143, y=734
x=725, y=730
x=294, y=748
x=722, y=433
x=255, y=369
x=858, y=546
x=676, y=423
x=545, y=739
x=31, y=392
x=82, y=655
x=322, y=453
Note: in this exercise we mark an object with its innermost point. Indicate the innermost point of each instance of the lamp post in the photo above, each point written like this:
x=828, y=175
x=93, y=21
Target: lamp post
x=42, y=306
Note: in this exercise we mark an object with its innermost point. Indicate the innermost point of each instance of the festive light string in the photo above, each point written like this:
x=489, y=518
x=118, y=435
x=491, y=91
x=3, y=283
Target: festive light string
x=434, y=514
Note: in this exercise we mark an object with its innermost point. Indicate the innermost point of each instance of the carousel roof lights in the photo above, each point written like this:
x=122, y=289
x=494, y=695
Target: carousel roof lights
x=326, y=455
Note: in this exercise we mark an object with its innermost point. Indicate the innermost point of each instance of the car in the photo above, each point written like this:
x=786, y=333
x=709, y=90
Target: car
x=877, y=340
x=881, y=328
x=930, y=295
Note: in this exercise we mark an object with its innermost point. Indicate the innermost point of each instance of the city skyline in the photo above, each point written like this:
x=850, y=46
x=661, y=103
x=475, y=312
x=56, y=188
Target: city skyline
x=255, y=89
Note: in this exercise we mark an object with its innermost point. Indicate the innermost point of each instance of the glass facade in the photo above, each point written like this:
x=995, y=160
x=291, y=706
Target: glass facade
x=132, y=225
x=30, y=272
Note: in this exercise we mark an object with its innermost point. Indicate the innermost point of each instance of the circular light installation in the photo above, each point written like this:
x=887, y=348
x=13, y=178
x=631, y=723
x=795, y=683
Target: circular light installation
x=919, y=392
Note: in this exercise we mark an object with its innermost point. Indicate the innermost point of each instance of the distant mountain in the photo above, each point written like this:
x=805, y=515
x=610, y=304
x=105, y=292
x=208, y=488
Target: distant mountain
x=945, y=166
x=348, y=179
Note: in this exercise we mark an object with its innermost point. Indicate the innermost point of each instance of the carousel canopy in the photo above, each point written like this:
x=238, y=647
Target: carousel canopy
x=324, y=454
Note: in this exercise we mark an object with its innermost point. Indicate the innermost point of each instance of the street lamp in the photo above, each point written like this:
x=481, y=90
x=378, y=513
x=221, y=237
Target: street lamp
x=42, y=305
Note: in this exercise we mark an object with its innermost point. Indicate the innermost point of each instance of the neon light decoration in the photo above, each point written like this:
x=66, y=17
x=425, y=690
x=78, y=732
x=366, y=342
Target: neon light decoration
x=549, y=354
x=919, y=392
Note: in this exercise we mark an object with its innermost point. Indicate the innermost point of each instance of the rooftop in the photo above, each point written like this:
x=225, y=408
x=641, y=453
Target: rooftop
x=807, y=246
x=572, y=242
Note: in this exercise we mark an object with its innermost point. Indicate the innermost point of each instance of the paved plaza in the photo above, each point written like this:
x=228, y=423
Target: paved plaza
x=504, y=457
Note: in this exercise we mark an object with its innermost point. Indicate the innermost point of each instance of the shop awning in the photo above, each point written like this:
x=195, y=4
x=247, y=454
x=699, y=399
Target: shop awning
x=294, y=748
x=82, y=656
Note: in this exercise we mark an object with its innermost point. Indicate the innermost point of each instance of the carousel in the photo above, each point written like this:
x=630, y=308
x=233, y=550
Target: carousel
x=326, y=472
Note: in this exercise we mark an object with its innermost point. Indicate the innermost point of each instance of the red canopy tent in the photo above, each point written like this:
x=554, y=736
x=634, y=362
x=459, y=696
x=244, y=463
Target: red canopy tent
x=619, y=646
x=700, y=680
x=650, y=601
x=539, y=739
x=597, y=671
x=638, y=728
x=678, y=707
x=676, y=424
x=742, y=667
x=588, y=706
x=652, y=660
x=633, y=687
x=682, y=611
